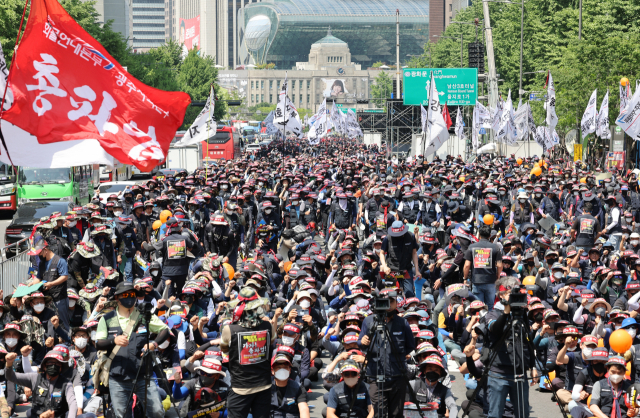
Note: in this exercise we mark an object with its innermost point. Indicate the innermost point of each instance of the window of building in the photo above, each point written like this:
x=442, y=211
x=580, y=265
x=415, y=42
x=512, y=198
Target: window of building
x=451, y=7
x=301, y=99
x=262, y=98
x=252, y=85
x=261, y=84
x=270, y=84
x=293, y=84
x=270, y=98
x=308, y=84
x=308, y=98
x=252, y=100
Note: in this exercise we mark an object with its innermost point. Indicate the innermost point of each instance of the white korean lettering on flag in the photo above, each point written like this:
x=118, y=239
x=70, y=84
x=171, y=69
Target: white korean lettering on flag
x=319, y=128
x=475, y=128
x=204, y=127
x=437, y=129
x=588, y=123
x=507, y=130
x=532, y=123
x=293, y=125
x=460, y=126
x=552, y=118
x=602, y=128
x=539, y=135
x=625, y=94
x=336, y=119
x=629, y=118
x=352, y=125
x=25, y=150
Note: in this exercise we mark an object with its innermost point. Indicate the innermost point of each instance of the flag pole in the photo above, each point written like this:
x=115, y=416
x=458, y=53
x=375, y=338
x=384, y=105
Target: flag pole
x=206, y=160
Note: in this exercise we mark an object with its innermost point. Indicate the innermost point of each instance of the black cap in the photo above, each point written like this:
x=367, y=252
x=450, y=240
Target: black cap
x=124, y=287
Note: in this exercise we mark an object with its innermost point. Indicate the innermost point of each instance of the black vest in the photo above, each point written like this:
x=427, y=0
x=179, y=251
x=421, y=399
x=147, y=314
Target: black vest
x=289, y=407
x=58, y=292
x=399, y=252
x=522, y=215
x=44, y=401
x=127, y=360
x=552, y=208
x=76, y=316
x=249, y=355
x=606, y=397
x=292, y=214
x=438, y=394
x=430, y=215
x=342, y=219
x=344, y=393
x=411, y=215
x=586, y=231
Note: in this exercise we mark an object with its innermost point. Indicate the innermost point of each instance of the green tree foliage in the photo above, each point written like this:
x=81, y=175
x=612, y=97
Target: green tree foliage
x=266, y=66
x=381, y=88
x=607, y=52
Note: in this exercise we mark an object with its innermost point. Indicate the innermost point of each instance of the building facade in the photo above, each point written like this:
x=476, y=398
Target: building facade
x=148, y=24
x=120, y=12
x=329, y=73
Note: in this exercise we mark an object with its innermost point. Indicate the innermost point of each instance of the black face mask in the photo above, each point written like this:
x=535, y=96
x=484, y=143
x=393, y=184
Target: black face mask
x=432, y=376
x=391, y=313
x=599, y=368
x=530, y=263
x=189, y=299
x=537, y=317
x=552, y=261
x=128, y=302
x=53, y=369
x=206, y=381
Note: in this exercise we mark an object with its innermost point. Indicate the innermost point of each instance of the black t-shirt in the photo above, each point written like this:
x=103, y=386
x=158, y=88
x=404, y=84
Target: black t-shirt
x=301, y=396
x=484, y=257
x=587, y=228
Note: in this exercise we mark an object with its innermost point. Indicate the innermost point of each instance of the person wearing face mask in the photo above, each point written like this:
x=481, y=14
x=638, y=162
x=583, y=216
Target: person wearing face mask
x=53, y=395
x=390, y=398
x=77, y=312
x=585, y=228
x=587, y=266
x=288, y=398
x=189, y=296
x=301, y=357
x=341, y=395
x=343, y=213
x=75, y=235
x=80, y=339
x=571, y=354
x=595, y=358
x=208, y=375
x=429, y=389
x=127, y=203
x=607, y=393
x=409, y=209
x=268, y=226
x=122, y=330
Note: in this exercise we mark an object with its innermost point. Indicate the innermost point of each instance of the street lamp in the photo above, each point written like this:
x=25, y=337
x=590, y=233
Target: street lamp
x=461, y=46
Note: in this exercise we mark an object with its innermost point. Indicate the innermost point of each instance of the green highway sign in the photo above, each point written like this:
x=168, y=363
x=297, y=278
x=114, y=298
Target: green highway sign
x=373, y=111
x=456, y=86
x=344, y=109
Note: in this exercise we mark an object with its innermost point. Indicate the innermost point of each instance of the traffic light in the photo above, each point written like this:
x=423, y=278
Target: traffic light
x=396, y=94
x=476, y=56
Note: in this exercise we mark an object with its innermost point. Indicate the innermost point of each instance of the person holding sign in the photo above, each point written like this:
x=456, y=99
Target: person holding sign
x=208, y=375
x=483, y=265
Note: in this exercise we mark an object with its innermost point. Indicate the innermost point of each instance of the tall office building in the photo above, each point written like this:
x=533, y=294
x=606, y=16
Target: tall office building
x=148, y=24
x=119, y=11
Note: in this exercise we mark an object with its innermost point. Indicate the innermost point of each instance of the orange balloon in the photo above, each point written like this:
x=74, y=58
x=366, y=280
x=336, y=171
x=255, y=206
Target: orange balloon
x=624, y=81
x=229, y=269
x=620, y=341
x=536, y=171
x=536, y=165
x=600, y=342
x=519, y=161
x=287, y=266
x=487, y=219
x=164, y=215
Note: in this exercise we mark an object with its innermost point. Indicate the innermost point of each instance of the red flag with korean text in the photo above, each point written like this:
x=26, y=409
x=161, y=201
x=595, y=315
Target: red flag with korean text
x=446, y=116
x=67, y=87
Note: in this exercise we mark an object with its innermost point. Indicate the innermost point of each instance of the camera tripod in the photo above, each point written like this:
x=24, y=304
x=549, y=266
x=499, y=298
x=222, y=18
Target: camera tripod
x=149, y=363
x=380, y=332
x=518, y=329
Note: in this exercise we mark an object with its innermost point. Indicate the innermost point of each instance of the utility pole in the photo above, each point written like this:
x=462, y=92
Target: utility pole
x=398, y=90
x=493, y=78
x=521, y=45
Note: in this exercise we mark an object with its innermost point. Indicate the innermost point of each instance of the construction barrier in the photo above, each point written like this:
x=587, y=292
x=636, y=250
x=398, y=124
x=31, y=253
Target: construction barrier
x=14, y=268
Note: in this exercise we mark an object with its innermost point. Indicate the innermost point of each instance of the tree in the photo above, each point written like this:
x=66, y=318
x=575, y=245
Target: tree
x=377, y=64
x=266, y=66
x=170, y=54
x=195, y=78
x=382, y=88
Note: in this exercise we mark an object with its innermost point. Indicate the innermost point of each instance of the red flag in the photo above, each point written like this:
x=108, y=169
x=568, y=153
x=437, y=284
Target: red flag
x=66, y=86
x=446, y=116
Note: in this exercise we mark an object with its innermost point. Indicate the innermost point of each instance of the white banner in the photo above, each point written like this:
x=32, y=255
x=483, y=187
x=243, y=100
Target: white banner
x=353, y=127
x=204, y=127
x=602, y=125
x=629, y=118
x=507, y=129
x=588, y=124
x=521, y=122
x=496, y=115
x=552, y=118
x=460, y=125
x=437, y=129
x=319, y=128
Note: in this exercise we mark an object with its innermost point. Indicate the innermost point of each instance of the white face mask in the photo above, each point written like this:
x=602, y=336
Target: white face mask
x=586, y=352
x=93, y=335
x=632, y=332
x=11, y=342
x=72, y=224
x=282, y=374
x=616, y=378
x=538, y=195
x=81, y=342
x=294, y=203
x=558, y=274
x=72, y=303
x=629, y=220
x=118, y=213
x=164, y=345
x=268, y=211
x=351, y=381
x=39, y=307
x=522, y=200
x=377, y=250
x=305, y=304
x=288, y=341
x=634, y=242
x=572, y=348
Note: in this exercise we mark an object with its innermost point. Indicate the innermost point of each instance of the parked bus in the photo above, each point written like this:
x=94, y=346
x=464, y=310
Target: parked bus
x=8, y=200
x=225, y=144
x=72, y=184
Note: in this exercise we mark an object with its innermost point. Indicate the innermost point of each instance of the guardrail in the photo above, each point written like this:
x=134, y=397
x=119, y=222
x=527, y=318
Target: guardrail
x=14, y=266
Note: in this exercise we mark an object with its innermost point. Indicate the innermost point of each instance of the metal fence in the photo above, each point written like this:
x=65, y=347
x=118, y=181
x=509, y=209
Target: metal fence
x=14, y=268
